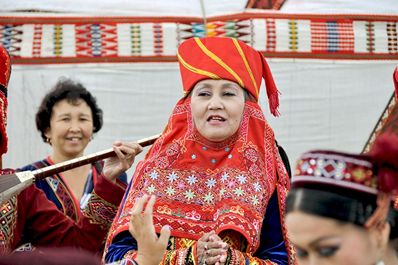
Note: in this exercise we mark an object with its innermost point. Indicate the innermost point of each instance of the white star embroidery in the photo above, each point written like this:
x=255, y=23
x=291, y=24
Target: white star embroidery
x=211, y=183
x=255, y=200
x=192, y=179
x=189, y=195
x=224, y=177
x=208, y=197
x=241, y=179
x=172, y=177
x=222, y=191
x=151, y=189
x=154, y=175
x=257, y=186
x=239, y=191
x=170, y=191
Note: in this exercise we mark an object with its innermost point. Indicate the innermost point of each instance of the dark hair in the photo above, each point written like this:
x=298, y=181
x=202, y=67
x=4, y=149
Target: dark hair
x=71, y=91
x=345, y=207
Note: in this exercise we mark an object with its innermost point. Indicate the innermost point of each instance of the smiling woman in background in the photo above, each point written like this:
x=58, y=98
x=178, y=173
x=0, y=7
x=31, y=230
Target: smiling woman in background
x=67, y=118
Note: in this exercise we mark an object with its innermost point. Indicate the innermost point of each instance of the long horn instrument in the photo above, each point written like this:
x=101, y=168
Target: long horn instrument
x=13, y=184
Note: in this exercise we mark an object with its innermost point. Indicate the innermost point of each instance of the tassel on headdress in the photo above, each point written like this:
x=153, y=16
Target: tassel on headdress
x=384, y=154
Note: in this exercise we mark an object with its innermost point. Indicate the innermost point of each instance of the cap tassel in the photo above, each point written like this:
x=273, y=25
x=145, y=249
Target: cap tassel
x=379, y=216
x=395, y=79
x=272, y=91
x=384, y=154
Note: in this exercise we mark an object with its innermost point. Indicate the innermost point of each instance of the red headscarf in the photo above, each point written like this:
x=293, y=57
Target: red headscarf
x=5, y=72
x=226, y=58
x=202, y=185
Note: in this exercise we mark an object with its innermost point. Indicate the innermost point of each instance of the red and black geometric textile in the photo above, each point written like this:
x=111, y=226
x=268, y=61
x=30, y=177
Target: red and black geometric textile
x=41, y=39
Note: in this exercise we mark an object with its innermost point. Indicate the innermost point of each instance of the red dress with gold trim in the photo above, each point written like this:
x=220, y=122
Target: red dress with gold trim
x=32, y=215
x=203, y=186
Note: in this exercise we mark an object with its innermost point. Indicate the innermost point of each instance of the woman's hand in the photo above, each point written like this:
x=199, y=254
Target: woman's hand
x=151, y=248
x=211, y=249
x=125, y=154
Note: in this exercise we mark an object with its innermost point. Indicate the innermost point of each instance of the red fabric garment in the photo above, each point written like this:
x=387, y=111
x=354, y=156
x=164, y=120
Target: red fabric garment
x=41, y=223
x=5, y=67
x=5, y=72
x=51, y=256
x=202, y=186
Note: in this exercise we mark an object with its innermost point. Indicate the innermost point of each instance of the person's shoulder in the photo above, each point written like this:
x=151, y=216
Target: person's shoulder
x=34, y=166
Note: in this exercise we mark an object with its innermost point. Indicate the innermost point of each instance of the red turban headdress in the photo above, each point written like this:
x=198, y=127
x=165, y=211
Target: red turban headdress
x=226, y=58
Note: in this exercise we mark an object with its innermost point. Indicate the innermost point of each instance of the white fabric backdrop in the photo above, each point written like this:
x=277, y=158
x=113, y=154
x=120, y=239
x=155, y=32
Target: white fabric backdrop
x=324, y=103
x=192, y=7
x=129, y=7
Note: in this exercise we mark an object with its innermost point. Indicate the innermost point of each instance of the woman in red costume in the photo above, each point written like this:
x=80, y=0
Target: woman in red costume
x=219, y=180
x=31, y=217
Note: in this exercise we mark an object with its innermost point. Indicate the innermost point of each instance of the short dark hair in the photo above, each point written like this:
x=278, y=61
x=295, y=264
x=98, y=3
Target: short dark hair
x=72, y=91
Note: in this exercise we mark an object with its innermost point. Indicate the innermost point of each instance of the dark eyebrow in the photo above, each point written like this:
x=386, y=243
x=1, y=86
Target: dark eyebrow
x=316, y=241
x=201, y=85
x=64, y=114
x=230, y=85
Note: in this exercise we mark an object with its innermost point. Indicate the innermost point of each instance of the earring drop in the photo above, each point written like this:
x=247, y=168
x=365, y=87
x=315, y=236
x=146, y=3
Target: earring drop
x=48, y=140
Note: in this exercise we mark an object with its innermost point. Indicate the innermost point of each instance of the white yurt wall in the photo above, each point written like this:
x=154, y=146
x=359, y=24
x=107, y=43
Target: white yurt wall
x=324, y=104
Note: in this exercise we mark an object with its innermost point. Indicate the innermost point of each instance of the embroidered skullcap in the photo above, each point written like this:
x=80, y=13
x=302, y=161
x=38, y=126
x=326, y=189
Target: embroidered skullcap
x=5, y=72
x=323, y=169
x=226, y=58
x=345, y=186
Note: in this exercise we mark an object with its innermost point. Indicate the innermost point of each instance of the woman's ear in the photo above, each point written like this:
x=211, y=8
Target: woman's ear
x=47, y=134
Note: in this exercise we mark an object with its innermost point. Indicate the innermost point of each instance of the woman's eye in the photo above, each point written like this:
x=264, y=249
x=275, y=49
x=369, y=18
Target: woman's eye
x=327, y=251
x=204, y=94
x=301, y=253
x=229, y=94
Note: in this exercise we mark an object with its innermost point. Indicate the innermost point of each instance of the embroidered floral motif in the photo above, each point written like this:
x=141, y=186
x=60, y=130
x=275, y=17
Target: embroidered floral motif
x=8, y=213
x=100, y=211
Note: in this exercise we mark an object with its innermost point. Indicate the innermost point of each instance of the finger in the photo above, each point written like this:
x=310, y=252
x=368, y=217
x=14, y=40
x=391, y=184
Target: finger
x=118, y=152
x=164, y=236
x=117, y=143
x=223, y=258
x=212, y=260
x=150, y=204
x=215, y=245
x=205, y=237
x=131, y=148
x=215, y=252
x=139, y=205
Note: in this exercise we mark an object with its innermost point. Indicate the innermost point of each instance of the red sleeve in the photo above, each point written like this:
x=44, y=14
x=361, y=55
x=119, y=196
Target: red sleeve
x=109, y=191
x=43, y=224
